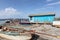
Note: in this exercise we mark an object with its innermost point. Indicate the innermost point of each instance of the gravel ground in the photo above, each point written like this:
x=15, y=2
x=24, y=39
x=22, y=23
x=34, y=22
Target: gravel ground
x=40, y=38
x=3, y=38
x=46, y=29
x=37, y=37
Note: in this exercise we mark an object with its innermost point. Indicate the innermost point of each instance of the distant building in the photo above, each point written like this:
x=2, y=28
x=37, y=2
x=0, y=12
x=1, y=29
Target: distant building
x=42, y=18
x=23, y=21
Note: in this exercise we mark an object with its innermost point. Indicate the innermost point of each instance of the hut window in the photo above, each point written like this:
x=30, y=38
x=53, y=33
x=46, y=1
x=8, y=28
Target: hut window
x=30, y=18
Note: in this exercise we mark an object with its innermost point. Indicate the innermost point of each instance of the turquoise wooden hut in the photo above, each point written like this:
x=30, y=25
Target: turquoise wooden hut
x=42, y=18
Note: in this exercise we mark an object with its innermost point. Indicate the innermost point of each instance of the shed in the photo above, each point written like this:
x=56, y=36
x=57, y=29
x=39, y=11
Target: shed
x=42, y=18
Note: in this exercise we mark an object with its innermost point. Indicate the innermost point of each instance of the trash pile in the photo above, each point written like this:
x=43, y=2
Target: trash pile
x=53, y=32
x=47, y=29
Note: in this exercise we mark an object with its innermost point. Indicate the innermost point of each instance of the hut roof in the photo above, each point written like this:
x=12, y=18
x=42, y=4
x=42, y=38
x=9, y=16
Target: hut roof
x=42, y=14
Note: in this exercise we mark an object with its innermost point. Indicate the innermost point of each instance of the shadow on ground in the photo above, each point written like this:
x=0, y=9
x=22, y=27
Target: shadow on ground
x=37, y=37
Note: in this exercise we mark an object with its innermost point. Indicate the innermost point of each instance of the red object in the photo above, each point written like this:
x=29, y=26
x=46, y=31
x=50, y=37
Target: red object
x=32, y=30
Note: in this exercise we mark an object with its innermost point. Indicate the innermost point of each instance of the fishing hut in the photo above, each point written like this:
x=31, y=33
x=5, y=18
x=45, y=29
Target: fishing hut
x=42, y=18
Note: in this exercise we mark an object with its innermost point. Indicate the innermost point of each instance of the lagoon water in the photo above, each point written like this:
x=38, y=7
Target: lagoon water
x=2, y=21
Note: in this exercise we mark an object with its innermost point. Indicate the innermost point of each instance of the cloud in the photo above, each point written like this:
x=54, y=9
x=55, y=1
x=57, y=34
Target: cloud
x=10, y=10
x=54, y=3
x=9, y=13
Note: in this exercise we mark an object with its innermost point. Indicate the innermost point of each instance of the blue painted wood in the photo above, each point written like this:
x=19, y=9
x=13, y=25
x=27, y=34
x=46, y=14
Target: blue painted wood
x=42, y=19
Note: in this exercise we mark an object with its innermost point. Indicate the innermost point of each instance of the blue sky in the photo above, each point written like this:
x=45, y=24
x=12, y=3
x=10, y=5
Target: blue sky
x=22, y=8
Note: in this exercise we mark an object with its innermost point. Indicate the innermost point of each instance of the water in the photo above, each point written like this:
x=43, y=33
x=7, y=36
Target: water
x=11, y=33
x=2, y=22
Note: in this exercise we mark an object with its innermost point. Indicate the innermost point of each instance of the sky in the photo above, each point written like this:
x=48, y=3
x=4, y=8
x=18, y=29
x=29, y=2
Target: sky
x=23, y=8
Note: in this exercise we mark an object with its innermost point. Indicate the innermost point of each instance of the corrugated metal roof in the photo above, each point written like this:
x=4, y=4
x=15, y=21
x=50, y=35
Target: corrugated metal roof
x=42, y=14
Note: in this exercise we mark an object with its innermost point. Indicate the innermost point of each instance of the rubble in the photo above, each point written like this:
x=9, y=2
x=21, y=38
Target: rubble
x=48, y=29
